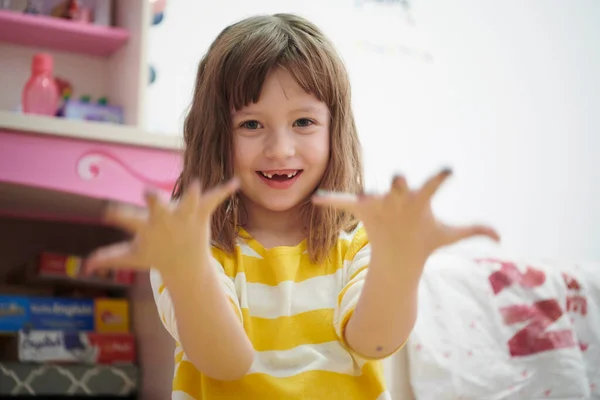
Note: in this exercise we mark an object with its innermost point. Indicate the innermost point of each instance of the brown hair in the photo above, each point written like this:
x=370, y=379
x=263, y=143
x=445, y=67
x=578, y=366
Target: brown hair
x=230, y=76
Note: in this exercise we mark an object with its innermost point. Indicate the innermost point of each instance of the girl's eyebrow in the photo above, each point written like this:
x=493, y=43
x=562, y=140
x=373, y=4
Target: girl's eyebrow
x=306, y=109
x=244, y=113
x=311, y=109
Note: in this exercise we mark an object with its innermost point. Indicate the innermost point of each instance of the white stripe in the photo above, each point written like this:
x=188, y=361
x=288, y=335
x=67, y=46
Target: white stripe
x=330, y=356
x=179, y=395
x=289, y=298
x=247, y=250
x=361, y=259
x=349, y=301
x=385, y=396
x=349, y=236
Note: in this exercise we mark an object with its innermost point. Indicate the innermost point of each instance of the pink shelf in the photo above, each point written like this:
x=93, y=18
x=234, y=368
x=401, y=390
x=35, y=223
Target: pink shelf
x=58, y=34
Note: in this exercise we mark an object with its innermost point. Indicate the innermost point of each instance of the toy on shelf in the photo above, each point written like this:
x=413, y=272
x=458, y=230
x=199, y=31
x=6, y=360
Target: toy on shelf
x=33, y=7
x=72, y=10
x=84, y=109
x=66, y=91
x=41, y=93
x=47, y=268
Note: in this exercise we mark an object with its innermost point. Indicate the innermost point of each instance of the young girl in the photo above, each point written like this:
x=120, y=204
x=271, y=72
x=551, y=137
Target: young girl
x=262, y=272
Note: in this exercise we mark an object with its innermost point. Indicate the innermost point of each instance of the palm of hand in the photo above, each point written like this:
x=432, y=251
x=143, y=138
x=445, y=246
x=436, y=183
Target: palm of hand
x=402, y=221
x=166, y=235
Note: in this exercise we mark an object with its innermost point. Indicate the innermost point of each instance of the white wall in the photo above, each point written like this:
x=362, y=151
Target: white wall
x=510, y=102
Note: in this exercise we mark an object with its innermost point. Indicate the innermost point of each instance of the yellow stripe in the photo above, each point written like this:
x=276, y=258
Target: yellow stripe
x=273, y=270
x=343, y=325
x=276, y=267
x=359, y=241
x=285, y=333
x=161, y=288
x=179, y=357
x=307, y=385
x=342, y=293
x=357, y=272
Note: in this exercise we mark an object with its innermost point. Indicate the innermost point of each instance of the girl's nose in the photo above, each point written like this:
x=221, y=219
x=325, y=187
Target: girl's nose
x=280, y=145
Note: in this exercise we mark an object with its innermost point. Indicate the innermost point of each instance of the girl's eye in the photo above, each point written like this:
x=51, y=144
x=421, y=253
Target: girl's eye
x=251, y=125
x=303, y=122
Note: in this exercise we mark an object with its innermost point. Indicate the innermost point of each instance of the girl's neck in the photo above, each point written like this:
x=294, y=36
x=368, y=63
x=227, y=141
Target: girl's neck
x=274, y=228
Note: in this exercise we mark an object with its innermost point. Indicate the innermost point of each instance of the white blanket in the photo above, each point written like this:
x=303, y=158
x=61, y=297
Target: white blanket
x=506, y=329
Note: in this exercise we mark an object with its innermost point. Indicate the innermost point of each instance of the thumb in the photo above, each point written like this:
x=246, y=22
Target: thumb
x=114, y=256
x=342, y=201
x=454, y=234
x=215, y=196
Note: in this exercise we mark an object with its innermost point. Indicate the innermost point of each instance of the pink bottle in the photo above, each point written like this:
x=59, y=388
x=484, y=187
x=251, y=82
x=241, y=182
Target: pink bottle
x=41, y=94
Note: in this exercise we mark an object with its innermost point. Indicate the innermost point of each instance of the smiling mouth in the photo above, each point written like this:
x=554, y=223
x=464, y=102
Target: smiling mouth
x=280, y=175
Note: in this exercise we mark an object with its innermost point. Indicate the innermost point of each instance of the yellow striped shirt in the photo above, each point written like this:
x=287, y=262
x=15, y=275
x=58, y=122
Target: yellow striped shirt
x=294, y=313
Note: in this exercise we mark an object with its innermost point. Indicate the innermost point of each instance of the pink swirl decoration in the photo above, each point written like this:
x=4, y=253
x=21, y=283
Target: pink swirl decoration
x=89, y=166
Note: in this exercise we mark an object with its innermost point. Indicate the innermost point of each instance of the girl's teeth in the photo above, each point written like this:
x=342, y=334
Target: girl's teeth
x=290, y=175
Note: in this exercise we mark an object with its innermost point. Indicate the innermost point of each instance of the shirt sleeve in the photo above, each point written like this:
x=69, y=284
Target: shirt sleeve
x=356, y=267
x=164, y=304
x=354, y=279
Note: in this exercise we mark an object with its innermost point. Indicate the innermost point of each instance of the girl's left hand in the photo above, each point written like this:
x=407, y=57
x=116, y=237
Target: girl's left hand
x=400, y=223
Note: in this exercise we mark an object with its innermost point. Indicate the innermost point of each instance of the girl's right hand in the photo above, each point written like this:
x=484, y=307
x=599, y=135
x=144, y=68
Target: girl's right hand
x=169, y=237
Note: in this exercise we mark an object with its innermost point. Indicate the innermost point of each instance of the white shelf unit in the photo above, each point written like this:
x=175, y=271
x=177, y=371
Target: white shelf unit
x=122, y=77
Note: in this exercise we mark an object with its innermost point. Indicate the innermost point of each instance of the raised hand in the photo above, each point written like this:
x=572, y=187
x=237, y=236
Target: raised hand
x=166, y=236
x=401, y=222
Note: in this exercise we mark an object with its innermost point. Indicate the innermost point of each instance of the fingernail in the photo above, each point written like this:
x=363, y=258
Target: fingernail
x=446, y=171
x=151, y=192
x=324, y=192
x=337, y=195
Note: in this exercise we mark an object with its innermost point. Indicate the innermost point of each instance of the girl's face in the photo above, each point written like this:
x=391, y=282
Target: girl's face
x=281, y=144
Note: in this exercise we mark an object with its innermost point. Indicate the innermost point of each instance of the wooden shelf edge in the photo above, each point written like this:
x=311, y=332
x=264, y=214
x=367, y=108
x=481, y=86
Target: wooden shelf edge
x=84, y=130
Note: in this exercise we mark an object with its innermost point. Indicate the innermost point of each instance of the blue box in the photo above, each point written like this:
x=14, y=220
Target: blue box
x=17, y=312
x=61, y=314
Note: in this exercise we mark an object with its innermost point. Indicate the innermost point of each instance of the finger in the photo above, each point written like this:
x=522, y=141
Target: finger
x=115, y=256
x=211, y=199
x=399, y=184
x=154, y=202
x=433, y=184
x=128, y=218
x=454, y=234
x=191, y=198
x=343, y=201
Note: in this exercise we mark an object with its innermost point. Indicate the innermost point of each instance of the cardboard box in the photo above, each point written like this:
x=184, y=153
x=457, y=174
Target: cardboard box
x=66, y=267
x=112, y=315
x=75, y=347
x=102, y=315
x=19, y=312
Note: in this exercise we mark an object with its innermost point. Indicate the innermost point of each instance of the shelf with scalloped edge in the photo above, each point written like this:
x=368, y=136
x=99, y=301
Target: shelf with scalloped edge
x=66, y=169
x=60, y=34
